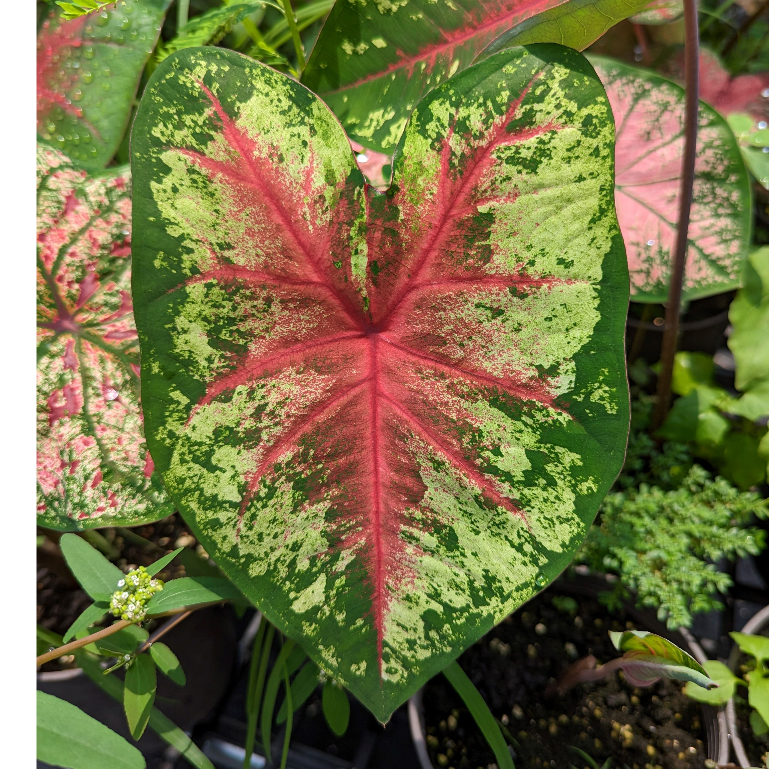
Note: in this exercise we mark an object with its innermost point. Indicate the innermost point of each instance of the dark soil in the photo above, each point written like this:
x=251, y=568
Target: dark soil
x=60, y=599
x=515, y=667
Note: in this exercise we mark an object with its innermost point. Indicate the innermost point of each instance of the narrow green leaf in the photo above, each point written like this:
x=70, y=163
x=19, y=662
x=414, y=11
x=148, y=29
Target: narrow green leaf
x=257, y=675
x=648, y=657
x=271, y=694
x=96, y=575
x=726, y=680
x=159, y=723
x=576, y=24
x=168, y=663
x=139, y=694
x=756, y=646
x=89, y=616
x=279, y=33
x=480, y=712
x=191, y=591
x=161, y=563
x=336, y=707
x=289, y=725
x=68, y=737
x=305, y=683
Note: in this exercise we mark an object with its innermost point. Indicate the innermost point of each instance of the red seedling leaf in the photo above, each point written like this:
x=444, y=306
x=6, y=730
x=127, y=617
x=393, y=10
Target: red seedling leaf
x=93, y=467
x=649, y=114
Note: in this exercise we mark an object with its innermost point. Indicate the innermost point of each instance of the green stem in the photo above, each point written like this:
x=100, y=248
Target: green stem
x=289, y=719
x=101, y=543
x=716, y=14
x=291, y=19
x=182, y=14
x=254, y=699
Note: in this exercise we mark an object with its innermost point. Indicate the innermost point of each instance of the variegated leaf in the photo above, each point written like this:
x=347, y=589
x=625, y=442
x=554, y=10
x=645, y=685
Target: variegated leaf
x=659, y=12
x=649, y=112
x=389, y=417
x=93, y=467
x=88, y=70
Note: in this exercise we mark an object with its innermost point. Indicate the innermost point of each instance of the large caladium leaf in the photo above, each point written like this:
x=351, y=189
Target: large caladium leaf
x=659, y=12
x=649, y=112
x=389, y=417
x=88, y=70
x=93, y=467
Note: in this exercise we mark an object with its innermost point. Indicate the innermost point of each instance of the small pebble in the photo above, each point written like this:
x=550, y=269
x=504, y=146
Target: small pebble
x=540, y=629
x=518, y=711
x=451, y=722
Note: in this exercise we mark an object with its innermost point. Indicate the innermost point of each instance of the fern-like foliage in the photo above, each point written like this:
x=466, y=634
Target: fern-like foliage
x=665, y=525
x=78, y=8
x=208, y=28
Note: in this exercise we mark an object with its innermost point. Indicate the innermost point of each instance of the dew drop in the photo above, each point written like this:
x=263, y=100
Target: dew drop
x=103, y=19
x=119, y=38
x=89, y=29
x=762, y=124
x=87, y=76
x=765, y=149
x=94, y=152
x=650, y=242
x=111, y=393
x=107, y=72
x=133, y=34
x=88, y=52
x=86, y=138
x=75, y=65
x=125, y=24
x=60, y=139
x=105, y=86
x=50, y=127
x=107, y=37
x=77, y=94
x=362, y=158
x=58, y=114
x=541, y=580
x=765, y=93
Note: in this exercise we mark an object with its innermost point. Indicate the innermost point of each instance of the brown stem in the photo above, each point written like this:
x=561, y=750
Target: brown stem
x=673, y=307
x=161, y=631
x=70, y=647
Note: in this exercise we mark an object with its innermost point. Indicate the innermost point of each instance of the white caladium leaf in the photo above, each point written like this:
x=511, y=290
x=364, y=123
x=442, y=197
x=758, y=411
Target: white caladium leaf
x=93, y=467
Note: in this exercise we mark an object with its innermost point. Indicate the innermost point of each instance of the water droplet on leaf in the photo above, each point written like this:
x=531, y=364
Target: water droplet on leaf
x=650, y=242
x=87, y=76
x=541, y=580
x=88, y=52
x=77, y=94
x=762, y=124
x=103, y=19
x=765, y=93
x=125, y=24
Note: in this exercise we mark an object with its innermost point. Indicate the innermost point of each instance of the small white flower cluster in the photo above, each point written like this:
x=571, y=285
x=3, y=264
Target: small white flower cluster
x=129, y=601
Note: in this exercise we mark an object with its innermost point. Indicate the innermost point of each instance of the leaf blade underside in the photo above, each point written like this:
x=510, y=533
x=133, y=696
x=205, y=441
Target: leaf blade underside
x=649, y=112
x=389, y=417
x=93, y=467
x=88, y=70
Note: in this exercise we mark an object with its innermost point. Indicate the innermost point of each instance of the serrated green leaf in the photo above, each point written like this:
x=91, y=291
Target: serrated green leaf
x=726, y=680
x=648, y=657
x=139, y=694
x=68, y=737
x=161, y=563
x=755, y=645
x=336, y=707
x=576, y=24
x=480, y=713
x=88, y=70
x=349, y=325
x=649, y=112
x=96, y=575
x=93, y=467
x=303, y=685
x=168, y=663
x=192, y=591
x=88, y=617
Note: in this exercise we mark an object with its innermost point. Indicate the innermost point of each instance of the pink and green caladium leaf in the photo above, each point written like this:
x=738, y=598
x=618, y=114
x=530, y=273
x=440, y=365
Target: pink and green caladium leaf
x=648, y=657
x=649, y=112
x=389, y=417
x=93, y=467
x=88, y=70
x=659, y=12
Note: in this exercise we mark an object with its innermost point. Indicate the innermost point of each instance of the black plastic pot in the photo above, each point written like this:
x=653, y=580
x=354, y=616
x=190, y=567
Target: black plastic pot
x=589, y=586
x=206, y=645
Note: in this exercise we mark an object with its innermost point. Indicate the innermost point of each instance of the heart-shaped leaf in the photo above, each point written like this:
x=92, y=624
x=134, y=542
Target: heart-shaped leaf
x=726, y=680
x=88, y=70
x=649, y=113
x=388, y=417
x=93, y=467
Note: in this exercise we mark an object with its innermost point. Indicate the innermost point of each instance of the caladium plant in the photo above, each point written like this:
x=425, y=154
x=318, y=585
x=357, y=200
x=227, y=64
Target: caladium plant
x=88, y=70
x=93, y=467
x=649, y=112
x=375, y=59
x=389, y=417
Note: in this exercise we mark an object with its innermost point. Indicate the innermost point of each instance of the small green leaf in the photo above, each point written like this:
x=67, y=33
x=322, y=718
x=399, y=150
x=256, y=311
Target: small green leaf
x=96, y=575
x=191, y=591
x=755, y=645
x=139, y=694
x=336, y=707
x=649, y=657
x=125, y=641
x=68, y=737
x=302, y=687
x=88, y=617
x=160, y=564
x=758, y=693
x=690, y=370
x=757, y=724
x=481, y=713
x=168, y=663
x=726, y=680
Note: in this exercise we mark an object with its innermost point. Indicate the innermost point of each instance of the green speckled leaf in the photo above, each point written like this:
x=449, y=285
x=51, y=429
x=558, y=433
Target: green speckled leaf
x=577, y=24
x=88, y=70
x=649, y=112
x=93, y=467
x=389, y=417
